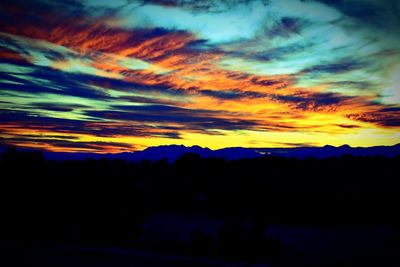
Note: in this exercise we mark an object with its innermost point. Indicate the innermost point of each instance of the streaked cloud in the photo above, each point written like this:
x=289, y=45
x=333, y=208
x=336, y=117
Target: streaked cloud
x=123, y=75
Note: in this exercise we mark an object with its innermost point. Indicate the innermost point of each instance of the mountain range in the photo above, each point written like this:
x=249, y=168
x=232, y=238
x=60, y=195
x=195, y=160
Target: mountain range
x=172, y=152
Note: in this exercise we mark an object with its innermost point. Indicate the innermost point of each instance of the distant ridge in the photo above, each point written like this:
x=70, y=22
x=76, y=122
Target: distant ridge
x=172, y=152
x=332, y=151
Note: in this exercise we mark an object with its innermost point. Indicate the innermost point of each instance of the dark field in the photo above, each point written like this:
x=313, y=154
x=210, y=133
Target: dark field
x=269, y=211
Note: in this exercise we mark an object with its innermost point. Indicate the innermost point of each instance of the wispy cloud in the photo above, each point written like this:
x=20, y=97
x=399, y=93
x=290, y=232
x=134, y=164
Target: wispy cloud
x=120, y=75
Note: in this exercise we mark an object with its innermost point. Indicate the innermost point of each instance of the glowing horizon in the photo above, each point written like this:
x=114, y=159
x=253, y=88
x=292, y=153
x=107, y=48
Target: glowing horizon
x=114, y=76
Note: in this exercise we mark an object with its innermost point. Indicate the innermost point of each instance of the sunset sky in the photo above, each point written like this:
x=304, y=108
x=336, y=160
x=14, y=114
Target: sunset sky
x=121, y=75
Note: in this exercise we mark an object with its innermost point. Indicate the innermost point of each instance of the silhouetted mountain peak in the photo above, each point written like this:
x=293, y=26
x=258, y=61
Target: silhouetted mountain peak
x=172, y=152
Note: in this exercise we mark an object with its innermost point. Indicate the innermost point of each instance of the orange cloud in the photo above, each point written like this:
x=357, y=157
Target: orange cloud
x=169, y=59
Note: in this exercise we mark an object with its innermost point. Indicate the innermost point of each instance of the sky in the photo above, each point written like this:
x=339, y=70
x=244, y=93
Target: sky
x=121, y=75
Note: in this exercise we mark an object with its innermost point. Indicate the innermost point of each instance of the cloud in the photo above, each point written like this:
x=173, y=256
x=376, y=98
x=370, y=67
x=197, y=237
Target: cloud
x=58, y=106
x=231, y=94
x=337, y=67
x=15, y=122
x=61, y=144
x=285, y=27
x=189, y=119
x=313, y=101
x=348, y=126
x=154, y=72
x=385, y=117
x=173, y=16
x=310, y=10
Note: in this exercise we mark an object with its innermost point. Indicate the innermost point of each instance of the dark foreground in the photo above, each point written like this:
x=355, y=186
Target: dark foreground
x=197, y=211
